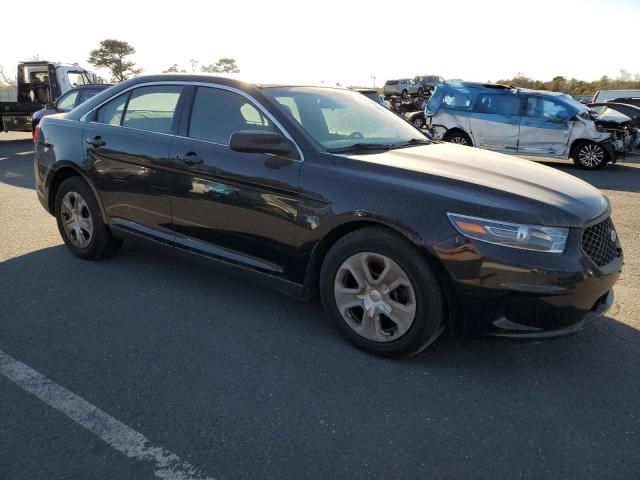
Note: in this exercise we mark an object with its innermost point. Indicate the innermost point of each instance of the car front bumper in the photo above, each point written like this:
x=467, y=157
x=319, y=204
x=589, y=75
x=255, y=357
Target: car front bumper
x=506, y=292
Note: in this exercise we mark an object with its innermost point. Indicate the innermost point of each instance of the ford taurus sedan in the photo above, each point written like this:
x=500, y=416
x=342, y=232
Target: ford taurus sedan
x=321, y=190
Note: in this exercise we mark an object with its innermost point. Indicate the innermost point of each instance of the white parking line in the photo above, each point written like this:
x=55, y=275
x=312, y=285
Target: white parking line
x=168, y=466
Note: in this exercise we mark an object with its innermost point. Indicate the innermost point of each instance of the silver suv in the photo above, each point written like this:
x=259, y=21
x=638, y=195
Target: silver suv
x=404, y=87
x=428, y=82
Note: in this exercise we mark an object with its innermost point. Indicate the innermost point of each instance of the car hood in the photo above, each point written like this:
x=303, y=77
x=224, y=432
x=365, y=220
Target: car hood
x=518, y=188
x=612, y=116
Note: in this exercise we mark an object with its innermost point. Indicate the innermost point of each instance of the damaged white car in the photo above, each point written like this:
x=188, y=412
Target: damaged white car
x=527, y=122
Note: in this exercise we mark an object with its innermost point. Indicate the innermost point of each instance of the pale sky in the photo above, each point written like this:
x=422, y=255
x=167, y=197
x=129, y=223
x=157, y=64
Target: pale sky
x=340, y=41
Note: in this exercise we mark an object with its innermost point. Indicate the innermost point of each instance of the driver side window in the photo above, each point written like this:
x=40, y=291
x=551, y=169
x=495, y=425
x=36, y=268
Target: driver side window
x=545, y=108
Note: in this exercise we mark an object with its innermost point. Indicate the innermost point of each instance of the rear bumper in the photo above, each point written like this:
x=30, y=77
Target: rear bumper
x=511, y=293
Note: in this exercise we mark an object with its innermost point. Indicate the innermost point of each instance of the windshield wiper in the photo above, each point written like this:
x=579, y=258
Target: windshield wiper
x=360, y=146
x=412, y=142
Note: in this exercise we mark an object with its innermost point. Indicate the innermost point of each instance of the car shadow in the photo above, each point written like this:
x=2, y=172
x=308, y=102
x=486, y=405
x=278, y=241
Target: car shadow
x=16, y=164
x=622, y=176
x=245, y=348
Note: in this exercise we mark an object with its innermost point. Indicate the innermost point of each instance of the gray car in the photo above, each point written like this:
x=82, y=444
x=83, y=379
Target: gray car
x=404, y=87
x=68, y=101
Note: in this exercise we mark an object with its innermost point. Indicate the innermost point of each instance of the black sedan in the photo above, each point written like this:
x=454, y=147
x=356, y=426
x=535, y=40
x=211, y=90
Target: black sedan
x=68, y=101
x=614, y=108
x=320, y=190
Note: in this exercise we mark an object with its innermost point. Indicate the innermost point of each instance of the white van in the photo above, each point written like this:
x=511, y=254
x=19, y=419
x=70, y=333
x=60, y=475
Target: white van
x=606, y=95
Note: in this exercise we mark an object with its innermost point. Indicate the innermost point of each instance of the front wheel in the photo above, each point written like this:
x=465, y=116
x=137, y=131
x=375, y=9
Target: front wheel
x=405, y=94
x=458, y=137
x=590, y=155
x=381, y=293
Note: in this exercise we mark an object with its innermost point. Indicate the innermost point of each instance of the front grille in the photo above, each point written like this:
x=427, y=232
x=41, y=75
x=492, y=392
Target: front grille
x=599, y=242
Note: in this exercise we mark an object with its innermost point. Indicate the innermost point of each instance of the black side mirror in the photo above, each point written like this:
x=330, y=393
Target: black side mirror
x=257, y=141
x=50, y=106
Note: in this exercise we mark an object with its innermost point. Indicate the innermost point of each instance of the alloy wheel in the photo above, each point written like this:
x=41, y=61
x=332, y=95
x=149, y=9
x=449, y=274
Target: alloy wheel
x=591, y=155
x=459, y=140
x=76, y=219
x=375, y=297
x=418, y=122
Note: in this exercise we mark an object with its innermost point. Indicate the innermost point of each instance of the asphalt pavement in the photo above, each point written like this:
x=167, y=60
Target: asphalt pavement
x=241, y=382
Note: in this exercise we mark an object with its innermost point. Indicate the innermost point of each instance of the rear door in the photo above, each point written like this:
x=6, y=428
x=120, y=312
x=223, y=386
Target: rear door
x=495, y=121
x=545, y=127
x=127, y=147
x=238, y=207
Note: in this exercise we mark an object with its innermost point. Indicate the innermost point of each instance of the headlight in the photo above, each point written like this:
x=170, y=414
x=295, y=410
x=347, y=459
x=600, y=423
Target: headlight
x=527, y=237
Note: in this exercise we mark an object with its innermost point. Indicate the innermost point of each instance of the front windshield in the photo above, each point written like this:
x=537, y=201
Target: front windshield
x=339, y=119
x=568, y=99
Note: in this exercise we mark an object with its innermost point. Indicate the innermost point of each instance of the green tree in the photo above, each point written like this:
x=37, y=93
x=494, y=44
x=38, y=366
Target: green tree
x=114, y=56
x=224, y=65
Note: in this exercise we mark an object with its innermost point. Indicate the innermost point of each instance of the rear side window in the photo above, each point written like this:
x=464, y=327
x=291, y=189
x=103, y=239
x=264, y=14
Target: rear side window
x=66, y=103
x=111, y=113
x=498, y=104
x=217, y=114
x=86, y=94
x=152, y=108
x=457, y=101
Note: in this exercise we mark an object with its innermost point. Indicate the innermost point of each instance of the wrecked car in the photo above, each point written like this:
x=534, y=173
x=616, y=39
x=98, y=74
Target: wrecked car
x=527, y=122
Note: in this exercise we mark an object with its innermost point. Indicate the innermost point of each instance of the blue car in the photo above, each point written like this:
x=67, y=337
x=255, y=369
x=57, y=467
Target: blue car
x=527, y=122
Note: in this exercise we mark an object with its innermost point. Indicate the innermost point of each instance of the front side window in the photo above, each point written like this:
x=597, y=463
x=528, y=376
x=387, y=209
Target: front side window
x=547, y=109
x=218, y=113
x=77, y=78
x=152, y=108
x=66, y=102
x=339, y=119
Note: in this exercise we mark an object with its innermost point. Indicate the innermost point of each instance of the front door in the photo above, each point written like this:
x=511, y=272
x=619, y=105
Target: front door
x=238, y=207
x=127, y=147
x=545, y=127
x=495, y=121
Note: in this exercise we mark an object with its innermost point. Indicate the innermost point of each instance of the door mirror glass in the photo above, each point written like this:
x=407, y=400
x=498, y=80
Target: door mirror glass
x=255, y=141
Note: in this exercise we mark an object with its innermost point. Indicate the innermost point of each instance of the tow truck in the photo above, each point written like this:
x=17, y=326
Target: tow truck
x=37, y=84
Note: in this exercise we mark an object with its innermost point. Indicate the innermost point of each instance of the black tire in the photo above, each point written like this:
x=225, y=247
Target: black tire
x=458, y=137
x=101, y=243
x=589, y=155
x=420, y=92
x=428, y=322
x=405, y=94
x=418, y=121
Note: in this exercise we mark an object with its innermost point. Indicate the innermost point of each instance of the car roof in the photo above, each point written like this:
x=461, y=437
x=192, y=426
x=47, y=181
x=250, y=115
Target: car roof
x=93, y=85
x=227, y=81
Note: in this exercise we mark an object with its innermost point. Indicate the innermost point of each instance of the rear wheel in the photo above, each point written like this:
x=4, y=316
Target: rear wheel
x=458, y=137
x=405, y=94
x=590, y=155
x=418, y=121
x=381, y=293
x=80, y=222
